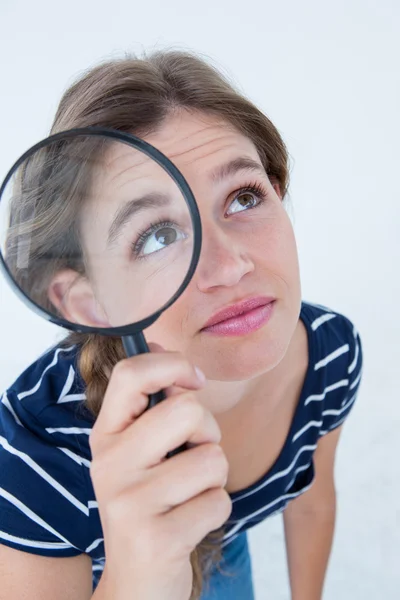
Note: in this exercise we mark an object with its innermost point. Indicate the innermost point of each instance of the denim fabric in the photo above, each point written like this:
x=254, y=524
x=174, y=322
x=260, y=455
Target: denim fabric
x=235, y=583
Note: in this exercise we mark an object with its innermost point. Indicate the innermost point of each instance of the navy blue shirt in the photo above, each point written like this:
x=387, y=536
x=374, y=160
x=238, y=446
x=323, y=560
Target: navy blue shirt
x=47, y=501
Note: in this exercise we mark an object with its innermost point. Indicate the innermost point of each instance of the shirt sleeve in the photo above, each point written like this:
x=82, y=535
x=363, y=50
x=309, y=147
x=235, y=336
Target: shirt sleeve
x=43, y=492
x=338, y=409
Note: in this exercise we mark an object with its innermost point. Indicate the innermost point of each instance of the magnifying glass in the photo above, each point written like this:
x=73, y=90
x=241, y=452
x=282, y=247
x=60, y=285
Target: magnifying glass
x=99, y=233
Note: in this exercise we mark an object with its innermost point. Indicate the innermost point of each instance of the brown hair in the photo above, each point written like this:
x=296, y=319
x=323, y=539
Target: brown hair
x=135, y=95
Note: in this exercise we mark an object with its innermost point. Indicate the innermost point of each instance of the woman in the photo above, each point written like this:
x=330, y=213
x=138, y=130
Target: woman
x=83, y=475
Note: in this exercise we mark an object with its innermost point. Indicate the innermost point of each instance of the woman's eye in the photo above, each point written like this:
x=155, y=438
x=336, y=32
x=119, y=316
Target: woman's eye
x=243, y=201
x=161, y=238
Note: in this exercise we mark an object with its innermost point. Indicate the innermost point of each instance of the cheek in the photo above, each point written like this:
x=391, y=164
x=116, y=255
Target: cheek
x=169, y=330
x=129, y=293
x=274, y=245
x=273, y=249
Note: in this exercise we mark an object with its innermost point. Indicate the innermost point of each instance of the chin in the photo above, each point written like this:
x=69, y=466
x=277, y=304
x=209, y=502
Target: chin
x=242, y=360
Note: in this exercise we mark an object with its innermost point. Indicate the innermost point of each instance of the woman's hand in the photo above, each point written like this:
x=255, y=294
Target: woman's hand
x=154, y=511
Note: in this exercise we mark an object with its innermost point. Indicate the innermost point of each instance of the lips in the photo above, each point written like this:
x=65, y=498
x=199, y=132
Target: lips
x=237, y=309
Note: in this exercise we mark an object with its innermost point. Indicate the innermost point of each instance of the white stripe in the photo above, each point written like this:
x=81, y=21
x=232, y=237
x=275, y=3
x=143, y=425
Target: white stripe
x=53, y=362
x=94, y=545
x=228, y=541
x=322, y=363
x=78, y=459
x=99, y=562
x=277, y=475
x=69, y=430
x=72, y=455
x=67, y=384
x=65, y=396
x=42, y=473
x=271, y=514
x=264, y=508
x=320, y=320
x=353, y=364
x=6, y=402
x=93, y=504
x=72, y=398
x=33, y=516
x=98, y=568
x=33, y=543
x=334, y=426
x=304, y=429
x=329, y=388
x=339, y=411
x=338, y=423
x=355, y=382
x=297, y=471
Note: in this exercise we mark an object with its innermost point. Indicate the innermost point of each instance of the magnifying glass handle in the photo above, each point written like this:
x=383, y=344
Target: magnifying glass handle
x=136, y=344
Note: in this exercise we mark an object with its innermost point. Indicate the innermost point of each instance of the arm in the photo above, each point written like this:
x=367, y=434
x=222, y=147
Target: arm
x=309, y=522
x=26, y=576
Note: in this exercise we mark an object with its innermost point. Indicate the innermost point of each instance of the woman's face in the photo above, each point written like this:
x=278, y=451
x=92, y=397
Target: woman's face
x=248, y=247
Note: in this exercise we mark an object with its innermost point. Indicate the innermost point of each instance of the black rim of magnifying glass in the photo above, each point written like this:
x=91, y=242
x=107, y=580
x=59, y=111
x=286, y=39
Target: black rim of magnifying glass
x=182, y=184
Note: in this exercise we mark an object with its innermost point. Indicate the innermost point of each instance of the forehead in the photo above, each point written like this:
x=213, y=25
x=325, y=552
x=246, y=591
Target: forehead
x=192, y=140
x=198, y=144
x=191, y=136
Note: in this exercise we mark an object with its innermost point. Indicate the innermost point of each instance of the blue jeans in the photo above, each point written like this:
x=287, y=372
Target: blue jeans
x=235, y=583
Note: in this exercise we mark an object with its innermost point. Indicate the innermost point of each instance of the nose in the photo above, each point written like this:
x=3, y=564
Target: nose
x=223, y=259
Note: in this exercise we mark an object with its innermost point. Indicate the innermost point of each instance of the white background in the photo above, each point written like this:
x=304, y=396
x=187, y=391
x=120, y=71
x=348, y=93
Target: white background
x=327, y=74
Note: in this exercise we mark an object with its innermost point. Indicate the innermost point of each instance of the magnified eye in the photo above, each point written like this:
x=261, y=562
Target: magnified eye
x=161, y=238
x=156, y=237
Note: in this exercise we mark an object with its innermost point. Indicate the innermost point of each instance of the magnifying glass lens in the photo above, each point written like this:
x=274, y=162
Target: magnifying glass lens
x=95, y=232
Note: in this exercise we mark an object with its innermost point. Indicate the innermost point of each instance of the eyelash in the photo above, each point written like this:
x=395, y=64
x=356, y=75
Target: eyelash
x=254, y=188
x=144, y=234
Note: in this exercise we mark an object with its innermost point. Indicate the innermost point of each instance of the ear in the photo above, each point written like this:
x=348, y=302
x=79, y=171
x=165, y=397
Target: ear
x=73, y=297
x=277, y=188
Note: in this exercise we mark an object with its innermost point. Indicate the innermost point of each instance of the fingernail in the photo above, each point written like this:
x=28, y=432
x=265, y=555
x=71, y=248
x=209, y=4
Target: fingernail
x=200, y=375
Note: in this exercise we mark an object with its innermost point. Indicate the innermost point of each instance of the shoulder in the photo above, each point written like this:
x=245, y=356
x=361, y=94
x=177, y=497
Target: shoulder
x=44, y=454
x=49, y=379
x=45, y=405
x=332, y=335
x=336, y=363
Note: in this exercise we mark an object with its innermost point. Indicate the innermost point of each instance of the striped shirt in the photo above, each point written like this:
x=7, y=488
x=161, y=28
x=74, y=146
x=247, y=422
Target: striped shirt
x=47, y=501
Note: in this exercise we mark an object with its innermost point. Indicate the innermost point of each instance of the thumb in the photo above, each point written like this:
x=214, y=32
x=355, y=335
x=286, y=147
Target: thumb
x=171, y=390
x=154, y=347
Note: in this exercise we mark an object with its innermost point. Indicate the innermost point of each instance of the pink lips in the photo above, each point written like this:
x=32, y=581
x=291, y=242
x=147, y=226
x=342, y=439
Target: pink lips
x=241, y=318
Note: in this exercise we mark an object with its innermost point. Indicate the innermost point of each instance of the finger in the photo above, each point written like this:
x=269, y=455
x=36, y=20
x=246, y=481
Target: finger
x=131, y=382
x=155, y=347
x=186, y=475
x=171, y=390
x=167, y=426
x=193, y=520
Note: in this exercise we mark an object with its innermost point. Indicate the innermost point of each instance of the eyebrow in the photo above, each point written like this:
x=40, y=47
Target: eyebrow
x=241, y=163
x=128, y=210
x=157, y=200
